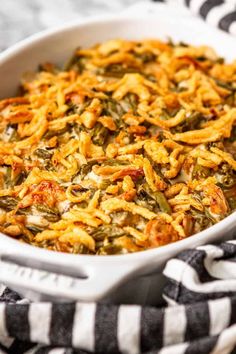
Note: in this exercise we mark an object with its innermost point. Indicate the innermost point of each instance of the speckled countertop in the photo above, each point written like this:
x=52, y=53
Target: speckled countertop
x=21, y=18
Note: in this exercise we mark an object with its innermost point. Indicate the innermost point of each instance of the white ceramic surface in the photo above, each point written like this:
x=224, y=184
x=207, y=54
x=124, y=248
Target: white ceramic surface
x=87, y=278
x=21, y=18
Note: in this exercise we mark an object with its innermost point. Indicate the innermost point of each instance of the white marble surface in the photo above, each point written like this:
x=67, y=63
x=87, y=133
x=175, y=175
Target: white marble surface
x=21, y=18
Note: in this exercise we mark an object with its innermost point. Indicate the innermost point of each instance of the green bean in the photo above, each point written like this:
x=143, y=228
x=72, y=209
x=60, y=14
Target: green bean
x=48, y=67
x=200, y=172
x=79, y=109
x=190, y=123
x=131, y=102
x=145, y=199
x=105, y=183
x=116, y=70
x=202, y=220
x=76, y=62
x=115, y=110
x=183, y=44
x=107, y=231
x=159, y=198
x=86, y=168
x=162, y=202
x=78, y=248
x=231, y=99
x=51, y=214
x=146, y=57
x=115, y=162
x=16, y=180
x=43, y=153
x=225, y=85
x=51, y=133
x=226, y=177
x=99, y=134
x=10, y=133
x=8, y=203
x=24, y=211
x=232, y=203
x=220, y=60
x=34, y=229
x=109, y=249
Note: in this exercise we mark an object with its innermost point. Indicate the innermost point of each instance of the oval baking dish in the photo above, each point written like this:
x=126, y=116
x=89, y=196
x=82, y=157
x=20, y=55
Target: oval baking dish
x=39, y=273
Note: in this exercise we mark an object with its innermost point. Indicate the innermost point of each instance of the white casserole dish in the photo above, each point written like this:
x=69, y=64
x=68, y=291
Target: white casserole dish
x=135, y=278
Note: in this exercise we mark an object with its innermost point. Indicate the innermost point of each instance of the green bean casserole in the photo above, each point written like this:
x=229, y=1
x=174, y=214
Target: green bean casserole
x=130, y=146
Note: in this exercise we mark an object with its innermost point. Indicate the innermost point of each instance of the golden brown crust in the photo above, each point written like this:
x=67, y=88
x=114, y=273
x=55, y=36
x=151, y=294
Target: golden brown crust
x=131, y=146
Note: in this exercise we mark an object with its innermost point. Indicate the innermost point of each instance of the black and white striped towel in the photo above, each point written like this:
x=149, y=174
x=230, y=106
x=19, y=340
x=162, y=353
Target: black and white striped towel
x=219, y=13
x=200, y=317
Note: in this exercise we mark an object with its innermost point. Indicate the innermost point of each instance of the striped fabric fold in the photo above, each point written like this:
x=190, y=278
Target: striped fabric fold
x=201, y=325
x=208, y=272
x=200, y=316
x=219, y=13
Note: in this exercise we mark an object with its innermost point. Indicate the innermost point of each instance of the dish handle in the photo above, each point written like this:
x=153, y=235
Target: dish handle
x=42, y=284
